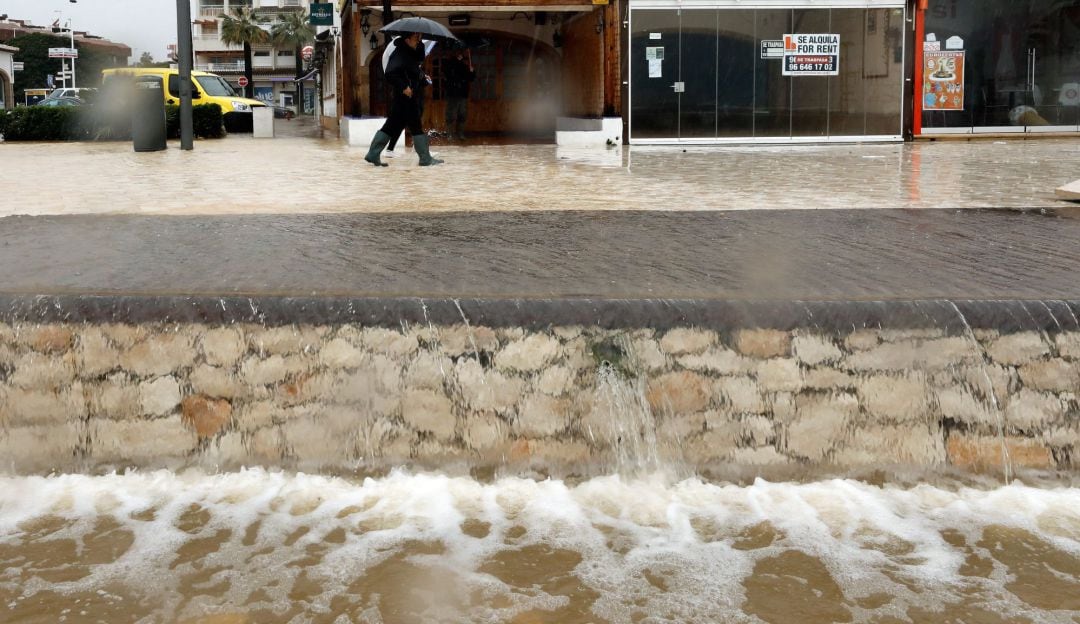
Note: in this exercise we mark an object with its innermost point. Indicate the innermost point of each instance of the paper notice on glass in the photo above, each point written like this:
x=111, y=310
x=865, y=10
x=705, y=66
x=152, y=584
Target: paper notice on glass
x=655, y=66
x=654, y=53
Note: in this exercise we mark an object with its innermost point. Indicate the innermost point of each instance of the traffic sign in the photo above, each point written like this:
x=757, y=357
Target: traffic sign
x=307, y=53
x=63, y=53
x=242, y=81
x=17, y=66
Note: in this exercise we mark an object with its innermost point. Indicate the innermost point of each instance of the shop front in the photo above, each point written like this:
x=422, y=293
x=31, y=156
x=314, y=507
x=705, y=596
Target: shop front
x=717, y=71
x=997, y=66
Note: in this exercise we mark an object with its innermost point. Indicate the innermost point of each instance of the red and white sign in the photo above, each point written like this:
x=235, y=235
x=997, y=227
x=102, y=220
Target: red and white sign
x=242, y=81
x=307, y=53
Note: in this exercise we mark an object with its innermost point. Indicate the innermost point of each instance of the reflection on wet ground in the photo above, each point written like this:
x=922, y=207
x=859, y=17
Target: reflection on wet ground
x=270, y=547
x=820, y=255
x=303, y=175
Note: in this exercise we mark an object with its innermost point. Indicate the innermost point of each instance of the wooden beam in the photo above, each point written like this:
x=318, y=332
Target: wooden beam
x=612, y=60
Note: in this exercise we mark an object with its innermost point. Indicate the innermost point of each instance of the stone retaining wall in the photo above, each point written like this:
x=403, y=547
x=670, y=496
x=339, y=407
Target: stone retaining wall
x=93, y=397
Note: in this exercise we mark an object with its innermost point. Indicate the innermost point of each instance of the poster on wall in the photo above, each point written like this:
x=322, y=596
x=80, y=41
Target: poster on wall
x=943, y=80
x=811, y=55
x=265, y=94
x=655, y=56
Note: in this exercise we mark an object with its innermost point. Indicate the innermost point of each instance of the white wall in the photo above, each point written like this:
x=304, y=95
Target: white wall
x=7, y=68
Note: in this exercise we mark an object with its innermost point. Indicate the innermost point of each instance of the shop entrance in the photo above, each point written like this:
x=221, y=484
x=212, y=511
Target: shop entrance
x=716, y=74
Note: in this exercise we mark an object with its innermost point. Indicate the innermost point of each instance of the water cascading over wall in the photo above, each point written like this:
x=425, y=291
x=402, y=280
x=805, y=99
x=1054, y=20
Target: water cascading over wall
x=710, y=394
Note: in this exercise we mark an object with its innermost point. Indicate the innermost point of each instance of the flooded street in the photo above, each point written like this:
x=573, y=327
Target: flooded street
x=240, y=175
x=261, y=546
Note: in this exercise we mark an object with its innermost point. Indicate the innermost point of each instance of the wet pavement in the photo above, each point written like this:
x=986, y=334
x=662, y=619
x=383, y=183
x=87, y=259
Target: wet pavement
x=299, y=174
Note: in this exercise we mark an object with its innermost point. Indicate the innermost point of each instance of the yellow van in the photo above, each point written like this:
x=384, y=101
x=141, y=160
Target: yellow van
x=206, y=88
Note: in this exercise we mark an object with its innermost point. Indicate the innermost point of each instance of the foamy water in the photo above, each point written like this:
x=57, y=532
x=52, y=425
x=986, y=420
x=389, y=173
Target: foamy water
x=258, y=546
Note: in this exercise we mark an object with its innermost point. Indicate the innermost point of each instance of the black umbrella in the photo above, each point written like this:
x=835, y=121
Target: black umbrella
x=430, y=29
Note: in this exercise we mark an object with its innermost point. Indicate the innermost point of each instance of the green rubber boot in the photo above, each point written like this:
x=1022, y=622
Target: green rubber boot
x=377, y=144
x=422, y=145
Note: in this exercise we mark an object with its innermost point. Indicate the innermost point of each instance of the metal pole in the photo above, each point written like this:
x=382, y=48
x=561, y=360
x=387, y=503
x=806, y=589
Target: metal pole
x=183, y=50
x=72, y=31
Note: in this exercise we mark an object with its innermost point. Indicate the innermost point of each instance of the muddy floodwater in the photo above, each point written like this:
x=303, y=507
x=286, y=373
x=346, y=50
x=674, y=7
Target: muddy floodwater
x=259, y=546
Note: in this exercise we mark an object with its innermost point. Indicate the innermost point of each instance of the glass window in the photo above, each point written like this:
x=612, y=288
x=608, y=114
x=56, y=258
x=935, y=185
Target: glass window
x=215, y=86
x=772, y=89
x=810, y=94
x=654, y=68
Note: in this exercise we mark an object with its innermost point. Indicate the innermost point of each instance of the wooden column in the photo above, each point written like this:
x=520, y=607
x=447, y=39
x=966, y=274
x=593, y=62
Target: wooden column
x=612, y=60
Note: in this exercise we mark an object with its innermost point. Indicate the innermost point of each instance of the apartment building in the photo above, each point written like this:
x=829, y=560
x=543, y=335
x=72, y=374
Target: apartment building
x=273, y=69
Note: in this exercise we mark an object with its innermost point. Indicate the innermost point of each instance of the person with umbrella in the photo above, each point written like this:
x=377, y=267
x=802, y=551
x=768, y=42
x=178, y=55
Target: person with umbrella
x=386, y=56
x=407, y=80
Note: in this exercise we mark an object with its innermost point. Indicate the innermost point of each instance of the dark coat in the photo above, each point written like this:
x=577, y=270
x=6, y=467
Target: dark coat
x=404, y=69
x=457, y=76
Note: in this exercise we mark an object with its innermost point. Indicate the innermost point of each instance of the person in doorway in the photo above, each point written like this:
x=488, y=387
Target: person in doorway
x=459, y=72
x=407, y=79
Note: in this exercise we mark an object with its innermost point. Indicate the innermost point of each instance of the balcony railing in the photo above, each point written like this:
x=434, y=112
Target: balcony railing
x=212, y=11
x=221, y=67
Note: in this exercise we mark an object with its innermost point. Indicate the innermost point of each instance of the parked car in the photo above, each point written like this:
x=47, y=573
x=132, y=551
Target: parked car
x=206, y=88
x=68, y=92
x=280, y=112
x=60, y=101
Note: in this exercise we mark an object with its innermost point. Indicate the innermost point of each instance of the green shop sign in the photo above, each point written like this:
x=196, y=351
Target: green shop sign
x=322, y=13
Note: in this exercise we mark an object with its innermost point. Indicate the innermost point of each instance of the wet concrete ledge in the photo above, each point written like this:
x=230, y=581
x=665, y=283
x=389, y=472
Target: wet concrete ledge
x=952, y=317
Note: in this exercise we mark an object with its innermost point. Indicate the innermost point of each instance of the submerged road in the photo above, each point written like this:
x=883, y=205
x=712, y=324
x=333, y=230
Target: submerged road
x=820, y=255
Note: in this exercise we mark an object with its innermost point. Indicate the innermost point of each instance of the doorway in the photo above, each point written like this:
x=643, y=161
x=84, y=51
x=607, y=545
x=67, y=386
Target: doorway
x=717, y=74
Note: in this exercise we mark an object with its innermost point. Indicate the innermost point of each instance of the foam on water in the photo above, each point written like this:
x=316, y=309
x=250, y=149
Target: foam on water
x=425, y=547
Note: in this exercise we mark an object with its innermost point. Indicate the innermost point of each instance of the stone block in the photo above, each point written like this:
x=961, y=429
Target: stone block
x=646, y=355
x=683, y=341
x=820, y=423
x=985, y=379
x=758, y=431
x=37, y=407
x=36, y=371
x=217, y=382
x=159, y=354
x=144, y=443
x=679, y=427
x=903, y=398
x=389, y=342
x=457, y=340
x=125, y=336
x=541, y=415
x=828, y=379
x=426, y=411
x=51, y=338
x=228, y=451
x=957, y=403
x=257, y=371
x=713, y=445
x=985, y=453
x=159, y=396
x=429, y=370
x=1033, y=411
x=782, y=406
x=927, y=355
x=205, y=415
x=115, y=397
x=551, y=453
x=862, y=340
x=1054, y=375
x=741, y=394
x=95, y=355
x=529, y=354
x=41, y=448
x=556, y=381
x=899, y=335
x=483, y=433
x=679, y=392
x=763, y=343
x=268, y=445
x=223, y=346
x=567, y=332
x=1068, y=345
x=284, y=340
x=779, y=375
x=487, y=390
x=813, y=349
x=763, y=456
x=877, y=445
x=312, y=443
x=578, y=356
x=340, y=353
x=719, y=360
x=1019, y=348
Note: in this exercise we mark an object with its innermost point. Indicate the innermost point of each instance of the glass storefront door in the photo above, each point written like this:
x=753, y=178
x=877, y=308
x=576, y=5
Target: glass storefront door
x=713, y=74
x=1022, y=65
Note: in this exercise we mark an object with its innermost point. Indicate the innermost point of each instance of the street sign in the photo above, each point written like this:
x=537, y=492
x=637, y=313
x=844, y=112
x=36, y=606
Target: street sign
x=63, y=53
x=307, y=53
x=17, y=66
x=242, y=81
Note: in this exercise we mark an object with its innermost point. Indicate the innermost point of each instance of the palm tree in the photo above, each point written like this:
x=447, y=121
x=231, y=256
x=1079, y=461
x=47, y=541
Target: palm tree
x=240, y=28
x=293, y=31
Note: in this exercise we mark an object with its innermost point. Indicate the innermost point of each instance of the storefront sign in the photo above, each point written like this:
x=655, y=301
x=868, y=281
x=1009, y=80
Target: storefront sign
x=811, y=55
x=772, y=49
x=322, y=14
x=943, y=83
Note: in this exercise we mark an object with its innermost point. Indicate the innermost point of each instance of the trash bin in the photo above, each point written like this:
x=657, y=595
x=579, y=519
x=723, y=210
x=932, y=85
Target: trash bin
x=148, y=115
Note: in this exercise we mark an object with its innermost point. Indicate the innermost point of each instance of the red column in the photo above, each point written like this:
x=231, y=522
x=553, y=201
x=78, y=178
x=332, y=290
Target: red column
x=920, y=36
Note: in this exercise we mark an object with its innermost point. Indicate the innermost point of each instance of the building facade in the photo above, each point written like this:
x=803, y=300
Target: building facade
x=273, y=69
x=7, y=76
x=745, y=71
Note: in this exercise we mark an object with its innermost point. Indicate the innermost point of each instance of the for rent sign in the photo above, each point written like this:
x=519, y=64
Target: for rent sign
x=811, y=55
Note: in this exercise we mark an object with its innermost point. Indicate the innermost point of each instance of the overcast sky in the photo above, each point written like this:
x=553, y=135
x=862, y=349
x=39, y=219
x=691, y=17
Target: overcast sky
x=145, y=25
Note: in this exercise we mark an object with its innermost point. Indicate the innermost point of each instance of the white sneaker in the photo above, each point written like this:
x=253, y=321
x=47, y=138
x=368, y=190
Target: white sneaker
x=389, y=154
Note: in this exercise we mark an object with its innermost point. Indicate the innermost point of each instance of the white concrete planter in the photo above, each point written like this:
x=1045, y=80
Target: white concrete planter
x=579, y=132
x=358, y=131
